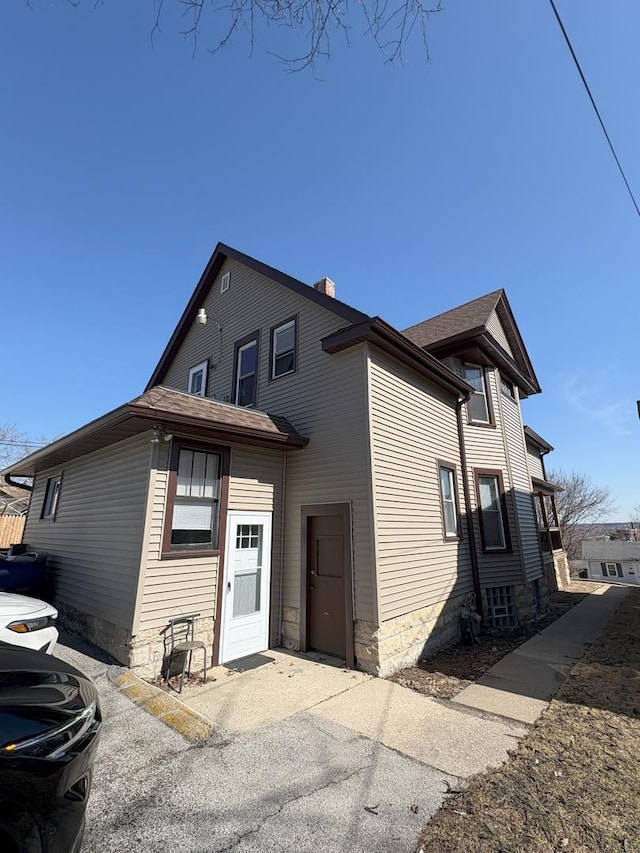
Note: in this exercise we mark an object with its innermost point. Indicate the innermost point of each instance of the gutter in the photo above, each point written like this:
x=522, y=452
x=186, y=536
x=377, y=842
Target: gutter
x=11, y=482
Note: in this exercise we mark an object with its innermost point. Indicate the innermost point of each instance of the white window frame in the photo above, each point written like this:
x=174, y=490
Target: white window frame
x=611, y=574
x=225, y=282
x=240, y=377
x=290, y=324
x=451, y=477
x=51, y=497
x=481, y=393
x=483, y=510
x=204, y=368
x=510, y=391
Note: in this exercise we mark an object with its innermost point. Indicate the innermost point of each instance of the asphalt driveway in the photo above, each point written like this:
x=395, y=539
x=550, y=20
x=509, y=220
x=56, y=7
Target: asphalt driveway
x=301, y=784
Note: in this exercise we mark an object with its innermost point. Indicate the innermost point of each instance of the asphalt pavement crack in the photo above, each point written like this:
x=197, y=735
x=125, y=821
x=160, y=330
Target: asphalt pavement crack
x=287, y=802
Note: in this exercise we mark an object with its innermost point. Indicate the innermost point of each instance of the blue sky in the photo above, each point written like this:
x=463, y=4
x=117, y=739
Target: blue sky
x=415, y=188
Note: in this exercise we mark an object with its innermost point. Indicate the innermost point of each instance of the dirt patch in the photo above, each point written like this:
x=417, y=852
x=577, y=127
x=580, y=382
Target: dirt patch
x=572, y=783
x=449, y=672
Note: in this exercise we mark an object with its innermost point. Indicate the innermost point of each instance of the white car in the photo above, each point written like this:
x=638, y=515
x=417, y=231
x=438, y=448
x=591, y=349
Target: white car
x=27, y=622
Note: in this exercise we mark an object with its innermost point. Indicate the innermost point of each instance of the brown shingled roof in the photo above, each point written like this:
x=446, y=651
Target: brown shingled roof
x=468, y=318
x=167, y=401
x=174, y=411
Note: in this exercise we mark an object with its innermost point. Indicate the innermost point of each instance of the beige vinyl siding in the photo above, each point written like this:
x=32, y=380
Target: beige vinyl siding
x=527, y=522
x=171, y=587
x=95, y=542
x=485, y=448
x=325, y=400
x=333, y=468
x=494, y=327
x=534, y=461
x=413, y=424
x=255, y=485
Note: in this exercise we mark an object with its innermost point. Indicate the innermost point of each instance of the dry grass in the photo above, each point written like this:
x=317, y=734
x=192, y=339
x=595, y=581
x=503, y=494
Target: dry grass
x=573, y=783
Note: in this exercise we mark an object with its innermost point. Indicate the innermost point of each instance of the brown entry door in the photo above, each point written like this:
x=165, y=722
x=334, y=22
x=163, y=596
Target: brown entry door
x=325, y=584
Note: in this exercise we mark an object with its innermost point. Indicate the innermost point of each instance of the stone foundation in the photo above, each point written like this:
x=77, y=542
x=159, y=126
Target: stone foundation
x=113, y=639
x=531, y=601
x=148, y=649
x=290, y=628
x=144, y=653
x=404, y=640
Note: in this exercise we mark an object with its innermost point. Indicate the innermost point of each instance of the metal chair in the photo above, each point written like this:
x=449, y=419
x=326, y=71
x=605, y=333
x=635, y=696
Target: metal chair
x=179, y=636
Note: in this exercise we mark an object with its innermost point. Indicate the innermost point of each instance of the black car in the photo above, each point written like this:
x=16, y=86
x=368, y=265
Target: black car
x=49, y=731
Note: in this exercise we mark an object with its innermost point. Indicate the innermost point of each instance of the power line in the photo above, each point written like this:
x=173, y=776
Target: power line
x=21, y=443
x=586, y=86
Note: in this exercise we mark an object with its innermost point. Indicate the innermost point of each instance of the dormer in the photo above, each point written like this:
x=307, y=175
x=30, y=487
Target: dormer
x=481, y=333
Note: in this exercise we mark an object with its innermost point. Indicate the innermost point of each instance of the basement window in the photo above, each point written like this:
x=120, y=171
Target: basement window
x=502, y=611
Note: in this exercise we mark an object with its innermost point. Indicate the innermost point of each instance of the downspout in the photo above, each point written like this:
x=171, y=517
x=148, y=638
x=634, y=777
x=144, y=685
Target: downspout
x=473, y=553
x=282, y=514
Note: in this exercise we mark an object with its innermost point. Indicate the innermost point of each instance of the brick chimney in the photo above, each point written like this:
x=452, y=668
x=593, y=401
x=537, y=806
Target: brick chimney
x=326, y=286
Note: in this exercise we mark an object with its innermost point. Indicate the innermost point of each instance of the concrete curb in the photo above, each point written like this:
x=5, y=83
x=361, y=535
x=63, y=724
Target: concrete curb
x=168, y=709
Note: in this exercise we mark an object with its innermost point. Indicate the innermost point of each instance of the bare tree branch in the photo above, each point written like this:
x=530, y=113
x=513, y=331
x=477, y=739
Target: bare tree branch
x=580, y=506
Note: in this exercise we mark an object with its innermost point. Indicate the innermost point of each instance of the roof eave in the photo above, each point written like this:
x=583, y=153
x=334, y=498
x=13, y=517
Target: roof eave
x=546, y=486
x=132, y=419
x=536, y=439
x=376, y=331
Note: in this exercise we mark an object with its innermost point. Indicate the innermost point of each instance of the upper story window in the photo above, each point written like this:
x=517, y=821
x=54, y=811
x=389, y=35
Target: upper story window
x=494, y=525
x=449, y=498
x=198, y=379
x=51, y=495
x=479, y=407
x=193, y=499
x=283, y=349
x=245, y=371
x=507, y=388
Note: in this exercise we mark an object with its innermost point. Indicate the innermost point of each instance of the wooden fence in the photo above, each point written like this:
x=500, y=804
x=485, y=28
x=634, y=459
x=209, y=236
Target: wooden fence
x=11, y=529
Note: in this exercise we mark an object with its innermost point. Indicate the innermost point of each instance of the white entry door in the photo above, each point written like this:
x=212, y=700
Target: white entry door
x=245, y=623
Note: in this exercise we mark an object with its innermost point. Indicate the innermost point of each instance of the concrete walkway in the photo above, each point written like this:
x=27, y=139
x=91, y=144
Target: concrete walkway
x=467, y=735
x=314, y=757
x=521, y=685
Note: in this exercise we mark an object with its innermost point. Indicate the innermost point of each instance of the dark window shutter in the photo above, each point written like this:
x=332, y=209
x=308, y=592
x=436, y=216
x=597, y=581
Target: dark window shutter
x=604, y=569
x=619, y=568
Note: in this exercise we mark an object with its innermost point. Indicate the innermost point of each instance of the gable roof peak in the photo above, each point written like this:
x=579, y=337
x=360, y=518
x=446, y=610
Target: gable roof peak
x=220, y=254
x=471, y=316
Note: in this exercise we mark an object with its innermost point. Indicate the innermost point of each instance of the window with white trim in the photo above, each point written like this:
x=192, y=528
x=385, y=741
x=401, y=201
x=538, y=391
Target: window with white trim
x=492, y=516
x=198, y=379
x=246, y=373
x=507, y=388
x=283, y=349
x=478, y=406
x=448, y=497
x=51, y=496
x=612, y=570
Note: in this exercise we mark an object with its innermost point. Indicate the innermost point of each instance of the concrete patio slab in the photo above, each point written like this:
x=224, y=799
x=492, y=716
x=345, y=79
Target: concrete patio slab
x=241, y=701
x=431, y=732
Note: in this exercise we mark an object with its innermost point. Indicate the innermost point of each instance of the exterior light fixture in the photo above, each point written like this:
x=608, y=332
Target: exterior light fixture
x=201, y=319
x=155, y=434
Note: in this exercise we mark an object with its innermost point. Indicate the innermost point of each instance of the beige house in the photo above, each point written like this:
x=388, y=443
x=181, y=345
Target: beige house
x=300, y=474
